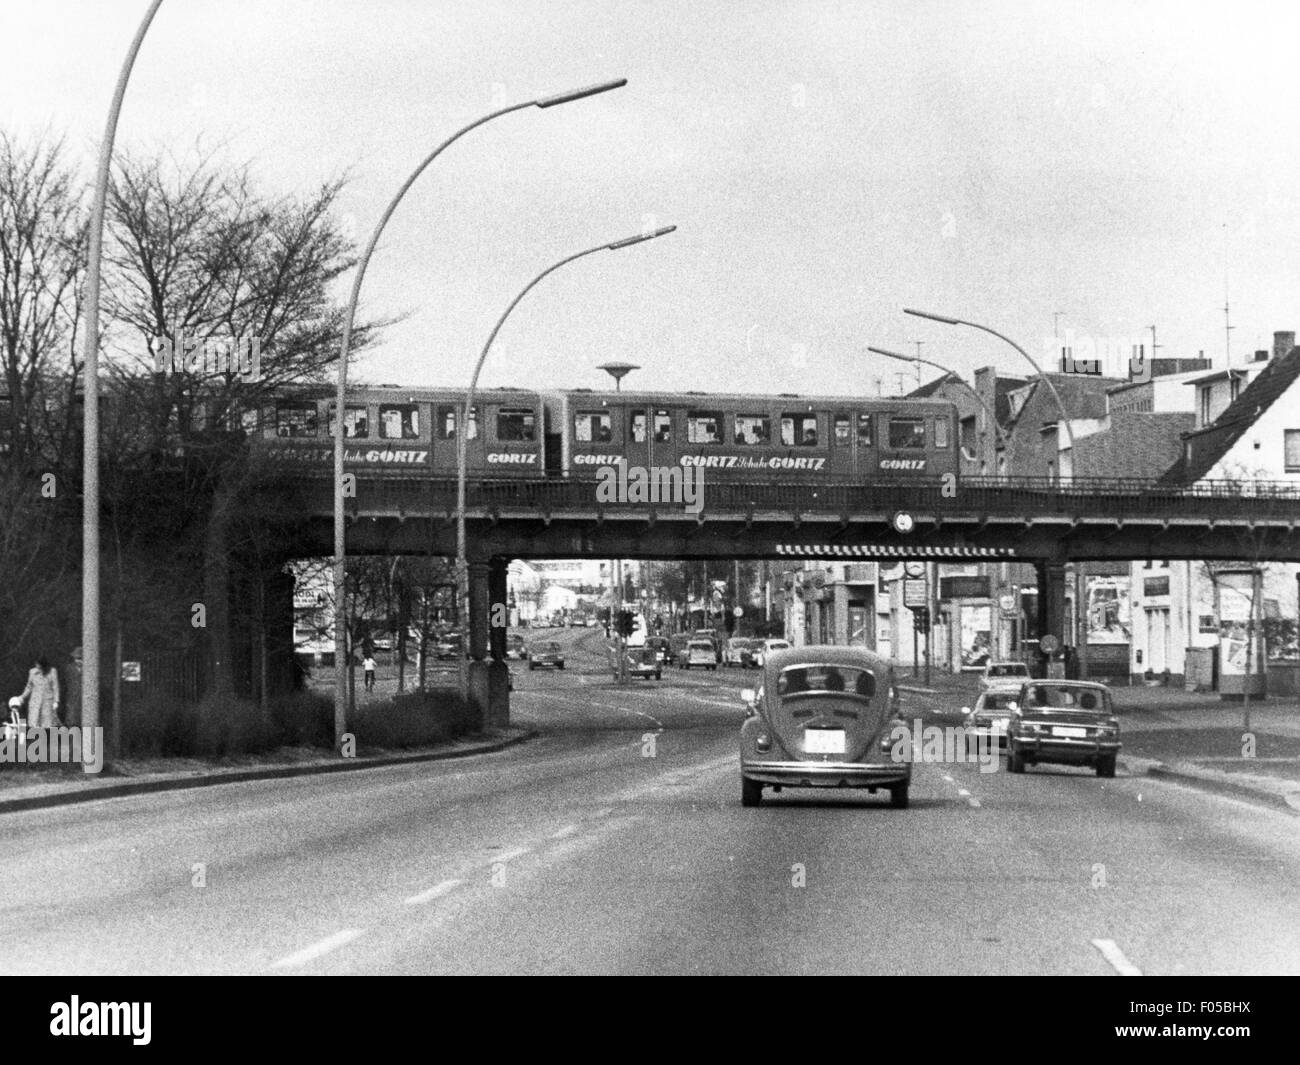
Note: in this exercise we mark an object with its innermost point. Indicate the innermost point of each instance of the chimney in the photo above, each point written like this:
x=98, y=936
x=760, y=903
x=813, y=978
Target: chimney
x=1261, y=356
x=1283, y=342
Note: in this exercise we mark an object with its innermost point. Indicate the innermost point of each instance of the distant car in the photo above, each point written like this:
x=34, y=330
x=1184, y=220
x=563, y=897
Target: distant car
x=1066, y=722
x=515, y=646
x=1004, y=675
x=747, y=655
x=641, y=662
x=823, y=718
x=769, y=646
x=698, y=653
x=714, y=637
x=545, y=655
x=731, y=651
x=989, y=717
x=447, y=645
x=659, y=645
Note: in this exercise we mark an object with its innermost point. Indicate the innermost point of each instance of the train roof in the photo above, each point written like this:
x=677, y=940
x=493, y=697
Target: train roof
x=648, y=398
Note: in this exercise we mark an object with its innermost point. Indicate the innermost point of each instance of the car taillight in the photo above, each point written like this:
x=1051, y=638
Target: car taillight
x=763, y=741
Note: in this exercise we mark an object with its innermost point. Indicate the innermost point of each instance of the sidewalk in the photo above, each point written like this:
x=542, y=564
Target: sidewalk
x=33, y=788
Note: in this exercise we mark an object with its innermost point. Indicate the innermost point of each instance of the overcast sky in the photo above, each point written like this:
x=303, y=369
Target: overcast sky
x=827, y=164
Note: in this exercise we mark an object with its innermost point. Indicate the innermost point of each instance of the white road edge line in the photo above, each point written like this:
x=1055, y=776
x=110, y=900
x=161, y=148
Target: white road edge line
x=508, y=855
x=316, y=950
x=435, y=892
x=1111, y=952
x=567, y=830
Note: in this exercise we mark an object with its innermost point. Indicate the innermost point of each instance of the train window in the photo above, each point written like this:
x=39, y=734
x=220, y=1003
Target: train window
x=843, y=430
x=356, y=422
x=447, y=422
x=753, y=429
x=799, y=430
x=907, y=432
x=941, y=432
x=704, y=427
x=592, y=427
x=663, y=427
x=295, y=418
x=638, y=427
x=517, y=424
x=399, y=421
x=864, y=430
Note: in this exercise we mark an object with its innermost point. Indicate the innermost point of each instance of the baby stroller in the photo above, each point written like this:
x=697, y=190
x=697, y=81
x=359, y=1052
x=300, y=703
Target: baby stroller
x=14, y=730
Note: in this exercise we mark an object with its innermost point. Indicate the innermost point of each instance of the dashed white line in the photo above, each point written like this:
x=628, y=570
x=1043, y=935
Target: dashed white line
x=316, y=950
x=508, y=855
x=963, y=793
x=1111, y=952
x=435, y=892
x=567, y=830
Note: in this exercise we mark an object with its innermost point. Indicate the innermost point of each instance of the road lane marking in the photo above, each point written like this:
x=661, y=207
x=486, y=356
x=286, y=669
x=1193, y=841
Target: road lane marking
x=567, y=830
x=1111, y=952
x=963, y=793
x=316, y=950
x=508, y=855
x=604, y=811
x=435, y=892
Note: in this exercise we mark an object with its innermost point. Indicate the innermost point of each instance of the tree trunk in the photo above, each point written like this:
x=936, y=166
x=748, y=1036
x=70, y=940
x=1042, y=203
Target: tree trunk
x=216, y=593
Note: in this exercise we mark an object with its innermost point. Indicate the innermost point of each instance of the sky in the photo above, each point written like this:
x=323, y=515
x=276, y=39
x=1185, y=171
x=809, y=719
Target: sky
x=1089, y=168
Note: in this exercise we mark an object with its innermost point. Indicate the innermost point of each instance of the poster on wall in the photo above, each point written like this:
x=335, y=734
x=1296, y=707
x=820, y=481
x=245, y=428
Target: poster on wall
x=1109, y=620
x=1234, y=615
x=976, y=636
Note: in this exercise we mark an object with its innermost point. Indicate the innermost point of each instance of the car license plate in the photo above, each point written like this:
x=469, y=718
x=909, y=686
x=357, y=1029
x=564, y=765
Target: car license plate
x=999, y=727
x=1071, y=731
x=824, y=741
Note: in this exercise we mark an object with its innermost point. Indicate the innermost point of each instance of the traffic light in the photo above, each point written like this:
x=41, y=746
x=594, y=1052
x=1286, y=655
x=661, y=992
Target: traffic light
x=625, y=623
x=921, y=619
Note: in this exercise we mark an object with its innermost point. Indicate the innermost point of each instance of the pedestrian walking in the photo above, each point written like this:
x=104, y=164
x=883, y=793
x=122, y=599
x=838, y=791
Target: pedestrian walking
x=41, y=695
x=368, y=664
x=72, y=689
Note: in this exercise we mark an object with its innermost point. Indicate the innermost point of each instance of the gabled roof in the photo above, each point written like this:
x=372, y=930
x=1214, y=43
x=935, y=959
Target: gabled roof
x=1209, y=445
x=928, y=391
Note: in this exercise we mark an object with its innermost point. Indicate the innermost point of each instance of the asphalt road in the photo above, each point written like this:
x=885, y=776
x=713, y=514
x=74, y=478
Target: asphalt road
x=616, y=843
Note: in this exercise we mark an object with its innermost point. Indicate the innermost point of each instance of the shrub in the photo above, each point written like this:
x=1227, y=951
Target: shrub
x=233, y=726
x=303, y=719
x=156, y=725
x=413, y=719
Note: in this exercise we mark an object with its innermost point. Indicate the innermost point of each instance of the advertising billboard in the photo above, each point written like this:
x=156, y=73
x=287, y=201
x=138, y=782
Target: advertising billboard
x=1109, y=619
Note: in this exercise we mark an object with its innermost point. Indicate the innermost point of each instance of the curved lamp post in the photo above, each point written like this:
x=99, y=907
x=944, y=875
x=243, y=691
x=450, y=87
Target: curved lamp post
x=90, y=368
x=999, y=433
x=1065, y=417
x=340, y=399
x=462, y=565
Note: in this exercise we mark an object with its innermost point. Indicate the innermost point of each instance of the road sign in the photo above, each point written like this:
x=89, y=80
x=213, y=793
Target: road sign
x=914, y=569
x=1049, y=644
x=914, y=593
x=738, y=612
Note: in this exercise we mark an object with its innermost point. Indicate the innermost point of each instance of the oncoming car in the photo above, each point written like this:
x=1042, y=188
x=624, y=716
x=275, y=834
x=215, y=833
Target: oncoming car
x=698, y=653
x=547, y=653
x=1067, y=722
x=1004, y=676
x=823, y=718
x=641, y=662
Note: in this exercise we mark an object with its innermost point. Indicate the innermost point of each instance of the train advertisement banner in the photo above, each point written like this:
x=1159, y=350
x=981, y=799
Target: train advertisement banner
x=323, y=456
x=976, y=636
x=1109, y=619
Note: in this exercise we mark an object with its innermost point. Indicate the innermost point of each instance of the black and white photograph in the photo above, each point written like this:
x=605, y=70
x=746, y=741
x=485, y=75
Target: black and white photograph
x=675, y=488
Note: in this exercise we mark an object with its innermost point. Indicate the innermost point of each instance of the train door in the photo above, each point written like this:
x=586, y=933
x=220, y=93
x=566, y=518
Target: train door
x=841, y=444
x=638, y=447
x=446, y=416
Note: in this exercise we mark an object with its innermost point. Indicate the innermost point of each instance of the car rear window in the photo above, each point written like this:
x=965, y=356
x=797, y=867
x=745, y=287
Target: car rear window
x=1015, y=669
x=1050, y=696
x=825, y=679
x=1000, y=701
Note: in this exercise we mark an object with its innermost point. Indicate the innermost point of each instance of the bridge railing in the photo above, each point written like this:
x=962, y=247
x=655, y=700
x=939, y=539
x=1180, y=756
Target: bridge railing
x=1020, y=497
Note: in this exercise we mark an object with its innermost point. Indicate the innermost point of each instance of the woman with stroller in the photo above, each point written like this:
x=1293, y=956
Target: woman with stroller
x=42, y=695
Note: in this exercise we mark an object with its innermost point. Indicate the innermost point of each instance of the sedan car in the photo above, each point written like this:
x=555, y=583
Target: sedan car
x=545, y=654
x=988, y=719
x=823, y=718
x=515, y=647
x=760, y=654
x=448, y=645
x=659, y=645
x=698, y=653
x=731, y=650
x=1067, y=722
x=1004, y=676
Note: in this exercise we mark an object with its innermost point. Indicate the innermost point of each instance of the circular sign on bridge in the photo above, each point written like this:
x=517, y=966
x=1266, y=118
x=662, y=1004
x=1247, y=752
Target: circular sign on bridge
x=738, y=612
x=903, y=522
x=1049, y=644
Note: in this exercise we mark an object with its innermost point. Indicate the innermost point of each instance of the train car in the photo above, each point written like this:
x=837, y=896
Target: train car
x=749, y=437
x=393, y=428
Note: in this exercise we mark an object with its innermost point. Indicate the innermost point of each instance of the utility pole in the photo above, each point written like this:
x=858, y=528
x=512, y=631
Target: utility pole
x=918, y=344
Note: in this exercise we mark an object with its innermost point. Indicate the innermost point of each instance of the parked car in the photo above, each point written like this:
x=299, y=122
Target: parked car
x=769, y=646
x=698, y=653
x=641, y=662
x=747, y=655
x=1004, y=676
x=988, y=719
x=1066, y=722
x=731, y=651
x=714, y=637
x=515, y=647
x=548, y=654
x=822, y=718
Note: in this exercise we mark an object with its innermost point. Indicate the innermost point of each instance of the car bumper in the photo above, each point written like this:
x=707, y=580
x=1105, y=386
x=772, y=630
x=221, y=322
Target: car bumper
x=827, y=774
x=539, y=663
x=1063, y=750
x=988, y=734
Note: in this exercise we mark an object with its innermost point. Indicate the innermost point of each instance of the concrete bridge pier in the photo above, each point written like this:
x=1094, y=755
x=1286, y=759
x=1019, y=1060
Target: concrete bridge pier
x=1051, y=608
x=489, y=676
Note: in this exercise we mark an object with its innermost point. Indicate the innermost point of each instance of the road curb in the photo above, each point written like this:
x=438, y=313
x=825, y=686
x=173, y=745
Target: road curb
x=1276, y=800
x=144, y=787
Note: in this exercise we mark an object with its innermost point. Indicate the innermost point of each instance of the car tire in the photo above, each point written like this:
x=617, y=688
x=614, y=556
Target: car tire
x=532, y=666
x=898, y=797
x=1106, y=766
x=1015, y=760
x=561, y=665
x=751, y=792
x=658, y=675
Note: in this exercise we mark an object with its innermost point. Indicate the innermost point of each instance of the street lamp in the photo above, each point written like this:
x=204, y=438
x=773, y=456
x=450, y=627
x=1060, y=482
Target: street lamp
x=618, y=371
x=1065, y=417
x=999, y=432
x=462, y=564
x=90, y=431
x=340, y=635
